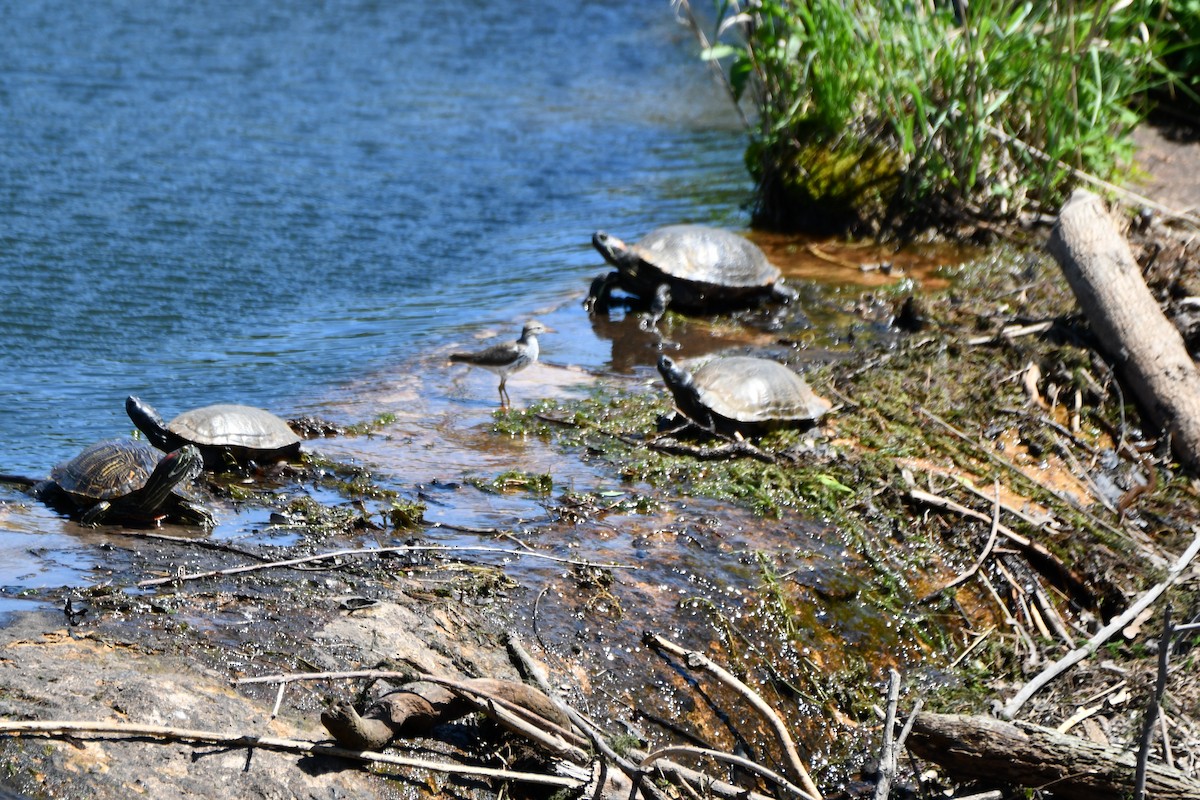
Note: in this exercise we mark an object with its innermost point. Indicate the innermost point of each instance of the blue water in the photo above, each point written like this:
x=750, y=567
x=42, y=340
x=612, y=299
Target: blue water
x=259, y=201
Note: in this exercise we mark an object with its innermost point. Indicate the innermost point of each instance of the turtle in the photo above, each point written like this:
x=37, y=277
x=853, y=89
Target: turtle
x=225, y=434
x=123, y=481
x=704, y=268
x=742, y=395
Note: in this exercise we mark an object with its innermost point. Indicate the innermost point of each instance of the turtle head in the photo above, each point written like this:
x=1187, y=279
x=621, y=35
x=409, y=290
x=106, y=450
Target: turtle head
x=182, y=465
x=615, y=251
x=676, y=377
x=173, y=469
x=150, y=423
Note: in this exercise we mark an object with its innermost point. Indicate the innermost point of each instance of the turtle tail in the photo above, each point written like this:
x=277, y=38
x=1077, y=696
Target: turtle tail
x=19, y=480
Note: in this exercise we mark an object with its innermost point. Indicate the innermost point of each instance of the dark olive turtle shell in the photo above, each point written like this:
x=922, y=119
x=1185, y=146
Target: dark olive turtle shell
x=126, y=481
x=705, y=255
x=107, y=470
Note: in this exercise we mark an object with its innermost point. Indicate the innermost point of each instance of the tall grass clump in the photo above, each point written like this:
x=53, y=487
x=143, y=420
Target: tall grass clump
x=1183, y=49
x=900, y=115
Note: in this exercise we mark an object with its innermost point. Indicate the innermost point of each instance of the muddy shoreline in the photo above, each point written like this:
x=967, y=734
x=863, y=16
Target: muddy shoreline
x=811, y=576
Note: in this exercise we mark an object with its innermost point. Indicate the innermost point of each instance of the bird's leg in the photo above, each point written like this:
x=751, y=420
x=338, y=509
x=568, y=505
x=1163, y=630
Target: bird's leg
x=503, y=396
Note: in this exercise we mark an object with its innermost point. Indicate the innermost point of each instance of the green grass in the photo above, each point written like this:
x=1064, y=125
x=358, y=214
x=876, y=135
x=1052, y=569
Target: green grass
x=895, y=115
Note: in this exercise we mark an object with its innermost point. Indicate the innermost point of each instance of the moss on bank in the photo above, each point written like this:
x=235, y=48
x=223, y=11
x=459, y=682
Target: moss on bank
x=1001, y=390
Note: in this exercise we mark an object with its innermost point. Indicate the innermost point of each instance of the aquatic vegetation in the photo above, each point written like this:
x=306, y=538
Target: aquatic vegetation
x=405, y=515
x=894, y=115
x=367, y=428
x=514, y=480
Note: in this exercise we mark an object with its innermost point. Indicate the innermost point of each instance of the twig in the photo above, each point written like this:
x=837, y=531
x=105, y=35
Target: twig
x=1017, y=627
x=887, y=752
x=728, y=758
x=1078, y=717
x=1032, y=550
x=75, y=728
x=373, y=674
x=1011, y=332
x=696, y=660
x=1021, y=597
x=528, y=723
x=987, y=549
x=372, y=551
x=1079, y=654
x=278, y=700
x=528, y=668
x=971, y=648
x=908, y=725
x=1165, y=732
x=1150, y=552
x=720, y=452
x=636, y=774
x=1160, y=685
x=1041, y=601
x=206, y=544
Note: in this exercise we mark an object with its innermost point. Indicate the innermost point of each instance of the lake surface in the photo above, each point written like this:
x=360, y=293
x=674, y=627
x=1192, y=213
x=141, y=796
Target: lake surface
x=258, y=202
x=302, y=205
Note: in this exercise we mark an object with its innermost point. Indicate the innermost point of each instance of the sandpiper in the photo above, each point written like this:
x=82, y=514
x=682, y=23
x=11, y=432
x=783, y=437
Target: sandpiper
x=505, y=359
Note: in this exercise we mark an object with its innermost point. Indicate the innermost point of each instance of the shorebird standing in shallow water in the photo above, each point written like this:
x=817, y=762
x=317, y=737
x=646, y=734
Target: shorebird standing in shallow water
x=505, y=359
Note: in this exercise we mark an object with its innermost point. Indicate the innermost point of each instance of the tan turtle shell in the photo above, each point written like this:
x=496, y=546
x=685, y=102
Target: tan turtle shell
x=744, y=393
x=233, y=425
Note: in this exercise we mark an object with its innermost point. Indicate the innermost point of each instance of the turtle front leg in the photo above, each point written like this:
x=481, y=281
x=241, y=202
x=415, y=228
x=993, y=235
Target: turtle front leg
x=597, y=300
x=782, y=293
x=95, y=515
x=649, y=321
x=195, y=514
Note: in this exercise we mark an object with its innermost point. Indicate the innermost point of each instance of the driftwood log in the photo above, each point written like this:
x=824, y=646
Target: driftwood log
x=418, y=707
x=1145, y=347
x=1029, y=755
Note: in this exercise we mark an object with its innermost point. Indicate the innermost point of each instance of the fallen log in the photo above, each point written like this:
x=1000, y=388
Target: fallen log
x=1147, y=350
x=1029, y=755
x=419, y=706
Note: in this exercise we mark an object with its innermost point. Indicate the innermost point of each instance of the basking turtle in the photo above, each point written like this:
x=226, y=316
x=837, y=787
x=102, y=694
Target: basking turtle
x=704, y=268
x=122, y=481
x=742, y=394
x=224, y=433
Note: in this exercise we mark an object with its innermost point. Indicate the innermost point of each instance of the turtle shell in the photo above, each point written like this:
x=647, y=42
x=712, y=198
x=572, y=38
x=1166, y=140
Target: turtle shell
x=704, y=268
x=746, y=392
x=125, y=481
x=706, y=255
x=107, y=470
x=230, y=425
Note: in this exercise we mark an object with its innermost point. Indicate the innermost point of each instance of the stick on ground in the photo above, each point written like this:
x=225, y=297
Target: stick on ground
x=1107, y=632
